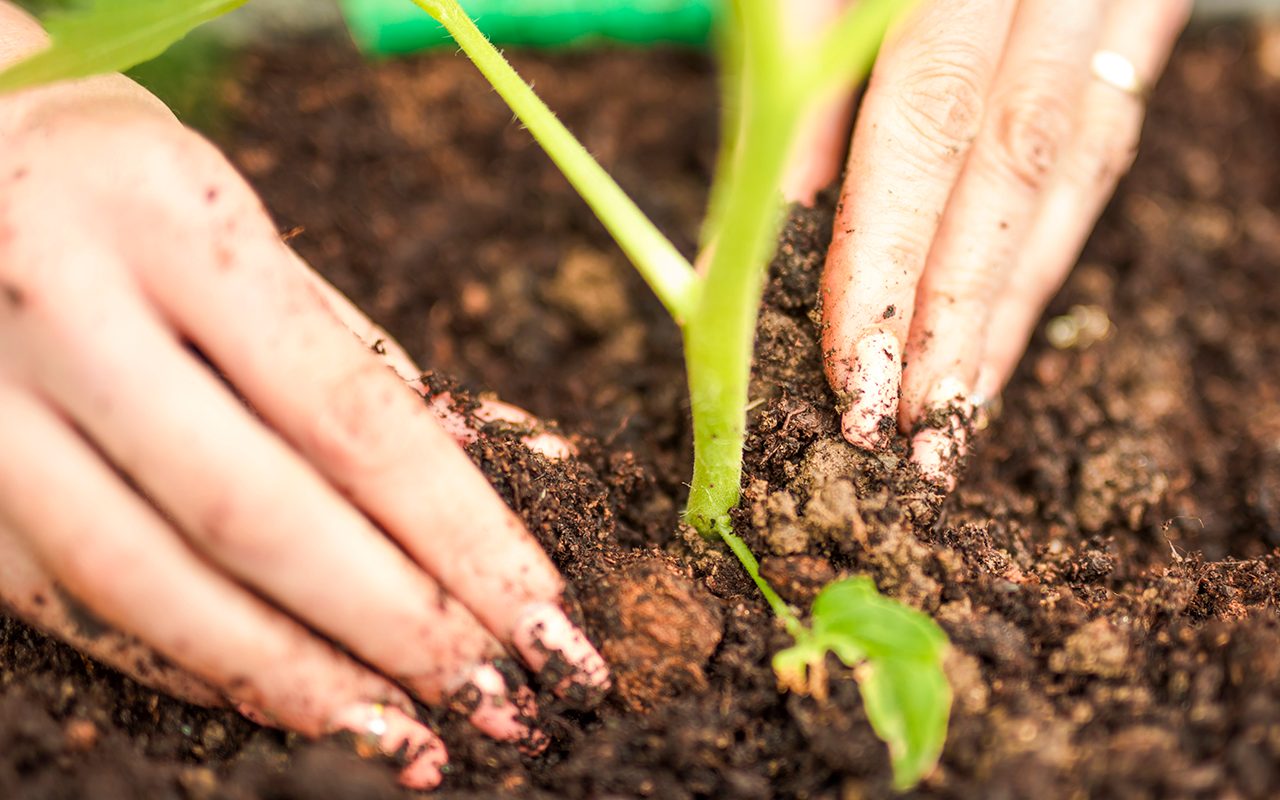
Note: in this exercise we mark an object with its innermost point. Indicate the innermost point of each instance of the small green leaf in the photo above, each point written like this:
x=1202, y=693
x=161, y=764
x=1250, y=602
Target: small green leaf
x=896, y=653
x=110, y=36
x=852, y=609
x=908, y=703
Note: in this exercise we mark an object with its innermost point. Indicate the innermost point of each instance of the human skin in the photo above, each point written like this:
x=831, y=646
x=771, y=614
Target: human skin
x=209, y=482
x=982, y=155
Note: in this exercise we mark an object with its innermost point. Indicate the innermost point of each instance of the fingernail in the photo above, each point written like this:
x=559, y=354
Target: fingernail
x=382, y=730
x=988, y=383
x=255, y=715
x=554, y=447
x=506, y=715
x=941, y=443
x=561, y=654
x=982, y=411
x=872, y=386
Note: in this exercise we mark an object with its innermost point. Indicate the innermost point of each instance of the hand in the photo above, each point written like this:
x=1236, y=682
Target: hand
x=983, y=154
x=201, y=462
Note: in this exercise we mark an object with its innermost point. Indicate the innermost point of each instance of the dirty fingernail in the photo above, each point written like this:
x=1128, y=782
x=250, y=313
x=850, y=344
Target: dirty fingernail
x=255, y=715
x=988, y=383
x=550, y=445
x=872, y=387
x=554, y=647
x=382, y=730
x=936, y=453
x=495, y=709
x=941, y=443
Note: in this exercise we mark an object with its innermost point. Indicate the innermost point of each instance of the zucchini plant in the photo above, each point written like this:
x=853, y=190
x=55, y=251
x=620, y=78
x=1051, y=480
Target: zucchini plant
x=895, y=652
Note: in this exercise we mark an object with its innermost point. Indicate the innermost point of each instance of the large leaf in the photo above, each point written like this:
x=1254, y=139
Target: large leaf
x=110, y=36
x=896, y=653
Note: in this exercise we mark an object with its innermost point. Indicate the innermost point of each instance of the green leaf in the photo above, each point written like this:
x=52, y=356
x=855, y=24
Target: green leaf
x=852, y=609
x=110, y=36
x=908, y=703
x=896, y=653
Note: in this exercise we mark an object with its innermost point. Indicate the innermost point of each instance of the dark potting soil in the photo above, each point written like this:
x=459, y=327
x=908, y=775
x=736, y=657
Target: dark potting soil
x=1107, y=569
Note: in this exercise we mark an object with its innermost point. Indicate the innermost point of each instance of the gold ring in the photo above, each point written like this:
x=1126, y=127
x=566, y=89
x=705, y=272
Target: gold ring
x=1118, y=72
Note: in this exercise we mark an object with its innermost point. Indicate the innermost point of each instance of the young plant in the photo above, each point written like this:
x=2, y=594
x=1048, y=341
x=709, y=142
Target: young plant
x=895, y=652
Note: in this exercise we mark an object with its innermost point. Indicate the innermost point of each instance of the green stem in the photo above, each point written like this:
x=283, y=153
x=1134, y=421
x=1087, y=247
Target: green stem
x=666, y=271
x=720, y=331
x=848, y=48
x=780, y=608
x=770, y=87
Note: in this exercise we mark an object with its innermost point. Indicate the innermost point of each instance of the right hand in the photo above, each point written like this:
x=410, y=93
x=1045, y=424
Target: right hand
x=986, y=146
x=202, y=463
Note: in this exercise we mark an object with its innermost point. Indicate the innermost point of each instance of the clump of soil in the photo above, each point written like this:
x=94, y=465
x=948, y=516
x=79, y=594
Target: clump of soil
x=1106, y=570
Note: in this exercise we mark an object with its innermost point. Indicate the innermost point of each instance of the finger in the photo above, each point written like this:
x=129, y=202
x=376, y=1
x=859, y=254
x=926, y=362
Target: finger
x=1031, y=111
x=824, y=134
x=1103, y=147
x=33, y=596
x=923, y=107
x=126, y=567
x=258, y=510
x=458, y=423
x=358, y=424
x=819, y=146
x=464, y=424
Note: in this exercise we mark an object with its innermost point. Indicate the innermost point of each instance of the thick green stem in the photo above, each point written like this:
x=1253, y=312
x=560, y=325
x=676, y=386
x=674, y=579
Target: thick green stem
x=666, y=271
x=770, y=88
x=720, y=332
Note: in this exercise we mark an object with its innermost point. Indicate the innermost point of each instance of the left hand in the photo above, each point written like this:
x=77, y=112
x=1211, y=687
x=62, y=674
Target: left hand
x=991, y=136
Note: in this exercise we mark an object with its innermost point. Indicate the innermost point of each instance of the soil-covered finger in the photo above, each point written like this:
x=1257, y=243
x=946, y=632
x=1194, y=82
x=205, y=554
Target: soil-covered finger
x=123, y=563
x=1030, y=117
x=28, y=591
x=252, y=505
x=373, y=439
x=922, y=109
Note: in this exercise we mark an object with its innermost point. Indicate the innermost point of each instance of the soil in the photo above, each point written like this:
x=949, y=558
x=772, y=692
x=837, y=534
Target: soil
x=1107, y=570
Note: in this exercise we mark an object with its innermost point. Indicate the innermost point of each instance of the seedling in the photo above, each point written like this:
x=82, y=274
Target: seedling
x=768, y=87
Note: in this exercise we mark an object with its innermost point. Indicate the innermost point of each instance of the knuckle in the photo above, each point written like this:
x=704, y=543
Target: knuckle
x=1030, y=129
x=942, y=105
x=967, y=292
x=178, y=176
x=902, y=255
x=1104, y=152
x=356, y=430
x=1102, y=163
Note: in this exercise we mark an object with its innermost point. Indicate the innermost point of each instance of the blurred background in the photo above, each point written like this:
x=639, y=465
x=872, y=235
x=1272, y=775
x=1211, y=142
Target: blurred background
x=184, y=75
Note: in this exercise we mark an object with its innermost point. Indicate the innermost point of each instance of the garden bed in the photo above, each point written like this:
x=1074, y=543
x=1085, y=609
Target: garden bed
x=1106, y=570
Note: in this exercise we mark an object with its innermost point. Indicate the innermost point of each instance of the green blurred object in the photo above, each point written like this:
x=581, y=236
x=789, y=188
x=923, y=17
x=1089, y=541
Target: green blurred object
x=387, y=27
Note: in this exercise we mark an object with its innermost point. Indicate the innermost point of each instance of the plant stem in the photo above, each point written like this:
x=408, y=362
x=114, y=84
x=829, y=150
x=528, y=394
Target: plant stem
x=849, y=46
x=720, y=331
x=769, y=88
x=780, y=608
x=666, y=271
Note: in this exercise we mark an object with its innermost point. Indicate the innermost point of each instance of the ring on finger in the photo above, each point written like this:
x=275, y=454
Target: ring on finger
x=1118, y=72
